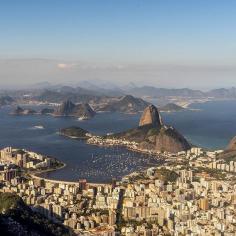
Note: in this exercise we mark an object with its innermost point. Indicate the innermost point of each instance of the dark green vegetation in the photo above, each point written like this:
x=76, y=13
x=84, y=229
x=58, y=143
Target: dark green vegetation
x=171, y=107
x=74, y=131
x=16, y=218
x=10, y=201
x=162, y=174
x=166, y=175
x=141, y=176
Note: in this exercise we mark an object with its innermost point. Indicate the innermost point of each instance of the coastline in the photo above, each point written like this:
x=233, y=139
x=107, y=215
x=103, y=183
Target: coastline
x=146, y=152
x=101, y=142
x=72, y=137
x=39, y=172
x=120, y=144
x=187, y=104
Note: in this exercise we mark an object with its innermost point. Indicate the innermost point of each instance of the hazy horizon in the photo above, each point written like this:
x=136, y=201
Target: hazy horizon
x=158, y=43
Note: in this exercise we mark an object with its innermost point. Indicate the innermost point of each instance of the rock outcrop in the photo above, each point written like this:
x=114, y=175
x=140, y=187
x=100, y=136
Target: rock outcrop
x=152, y=134
x=151, y=116
x=68, y=108
x=65, y=109
x=171, y=140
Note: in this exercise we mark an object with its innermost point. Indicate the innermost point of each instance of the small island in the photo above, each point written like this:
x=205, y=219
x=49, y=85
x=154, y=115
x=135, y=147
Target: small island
x=75, y=132
x=171, y=107
x=82, y=111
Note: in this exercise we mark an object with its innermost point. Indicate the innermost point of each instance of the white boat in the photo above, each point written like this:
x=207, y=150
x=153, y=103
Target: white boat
x=83, y=118
x=38, y=127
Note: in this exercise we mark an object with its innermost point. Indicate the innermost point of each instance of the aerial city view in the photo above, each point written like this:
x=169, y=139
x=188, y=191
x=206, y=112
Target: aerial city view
x=118, y=118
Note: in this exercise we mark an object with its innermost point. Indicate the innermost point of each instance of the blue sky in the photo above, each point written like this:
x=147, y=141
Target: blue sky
x=158, y=32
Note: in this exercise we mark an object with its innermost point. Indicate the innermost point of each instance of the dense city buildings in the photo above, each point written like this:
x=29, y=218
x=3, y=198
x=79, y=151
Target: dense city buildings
x=182, y=197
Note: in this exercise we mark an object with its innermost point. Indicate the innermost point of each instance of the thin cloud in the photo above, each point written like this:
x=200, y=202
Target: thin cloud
x=65, y=66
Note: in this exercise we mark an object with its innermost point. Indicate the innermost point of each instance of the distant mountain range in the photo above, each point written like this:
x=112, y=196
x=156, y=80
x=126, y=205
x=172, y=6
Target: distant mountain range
x=221, y=93
x=73, y=95
x=109, y=97
x=89, y=89
x=125, y=104
x=163, y=92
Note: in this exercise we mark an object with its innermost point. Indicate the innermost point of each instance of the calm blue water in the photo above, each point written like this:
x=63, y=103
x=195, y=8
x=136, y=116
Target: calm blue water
x=212, y=127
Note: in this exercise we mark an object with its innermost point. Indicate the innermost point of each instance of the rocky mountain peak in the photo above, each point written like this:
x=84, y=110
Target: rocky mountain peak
x=82, y=110
x=67, y=107
x=151, y=116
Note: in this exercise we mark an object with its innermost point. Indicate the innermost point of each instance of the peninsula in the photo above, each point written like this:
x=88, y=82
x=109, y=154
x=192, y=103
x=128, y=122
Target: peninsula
x=151, y=136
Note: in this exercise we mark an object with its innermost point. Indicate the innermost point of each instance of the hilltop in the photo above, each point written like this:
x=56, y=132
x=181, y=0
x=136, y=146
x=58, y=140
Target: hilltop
x=82, y=110
x=153, y=134
x=16, y=218
x=126, y=104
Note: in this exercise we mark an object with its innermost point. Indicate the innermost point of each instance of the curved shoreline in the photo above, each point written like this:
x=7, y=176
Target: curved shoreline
x=128, y=147
x=50, y=170
x=37, y=174
x=66, y=182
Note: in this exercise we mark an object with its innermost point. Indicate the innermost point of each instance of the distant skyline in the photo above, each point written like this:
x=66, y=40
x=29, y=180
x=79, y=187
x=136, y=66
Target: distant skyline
x=165, y=43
